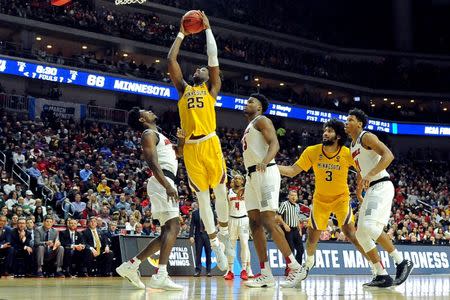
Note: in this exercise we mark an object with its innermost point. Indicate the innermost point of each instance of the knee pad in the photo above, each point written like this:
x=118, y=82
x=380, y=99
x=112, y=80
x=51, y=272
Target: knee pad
x=368, y=232
x=220, y=192
x=206, y=213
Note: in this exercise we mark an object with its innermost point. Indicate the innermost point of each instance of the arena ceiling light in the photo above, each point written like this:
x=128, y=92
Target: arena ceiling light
x=385, y=99
x=256, y=79
x=49, y=46
x=125, y=55
x=392, y=103
x=373, y=105
x=412, y=100
x=281, y=84
x=84, y=47
x=38, y=38
x=444, y=109
x=157, y=61
x=399, y=106
x=330, y=93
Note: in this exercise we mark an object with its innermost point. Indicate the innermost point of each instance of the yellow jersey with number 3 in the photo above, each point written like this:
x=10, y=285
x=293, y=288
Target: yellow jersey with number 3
x=330, y=170
x=197, y=112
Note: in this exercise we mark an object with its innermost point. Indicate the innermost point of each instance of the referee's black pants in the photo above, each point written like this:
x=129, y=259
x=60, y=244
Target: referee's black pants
x=295, y=242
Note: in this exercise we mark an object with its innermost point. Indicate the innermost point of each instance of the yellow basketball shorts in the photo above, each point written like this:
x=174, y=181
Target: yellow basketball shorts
x=204, y=163
x=323, y=206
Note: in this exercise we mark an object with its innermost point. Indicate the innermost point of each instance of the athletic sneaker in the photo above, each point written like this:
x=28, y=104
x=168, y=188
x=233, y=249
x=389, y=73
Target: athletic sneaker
x=244, y=275
x=294, y=278
x=225, y=240
x=131, y=272
x=164, y=282
x=229, y=276
x=403, y=270
x=222, y=262
x=307, y=270
x=261, y=281
x=380, y=281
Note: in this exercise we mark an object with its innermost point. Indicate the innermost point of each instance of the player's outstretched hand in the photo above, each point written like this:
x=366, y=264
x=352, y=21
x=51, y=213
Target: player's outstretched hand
x=205, y=20
x=182, y=30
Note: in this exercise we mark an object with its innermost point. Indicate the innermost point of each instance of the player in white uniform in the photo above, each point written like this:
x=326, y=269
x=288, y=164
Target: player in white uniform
x=262, y=189
x=161, y=157
x=238, y=224
x=372, y=157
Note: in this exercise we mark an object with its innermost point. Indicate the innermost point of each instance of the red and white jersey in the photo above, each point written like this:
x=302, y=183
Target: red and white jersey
x=167, y=157
x=254, y=145
x=365, y=159
x=237, y=204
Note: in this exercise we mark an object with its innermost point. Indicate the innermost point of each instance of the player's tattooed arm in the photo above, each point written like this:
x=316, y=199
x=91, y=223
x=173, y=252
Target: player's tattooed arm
x=149, y=142
x=371, y=141
x=174, y=68
x=265, y=126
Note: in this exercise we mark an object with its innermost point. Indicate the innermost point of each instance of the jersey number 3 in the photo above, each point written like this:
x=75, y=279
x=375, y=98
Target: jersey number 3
x=196, y=102
x=329, y=176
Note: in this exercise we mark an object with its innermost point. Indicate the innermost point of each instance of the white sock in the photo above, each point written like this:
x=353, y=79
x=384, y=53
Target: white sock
x=162, y=270
x=380, y=269
x=293, y=263
x=223, y=230
x=310, y=261
x=396, y=256
x=135, y=261
x=372, y=268
x=265, y=268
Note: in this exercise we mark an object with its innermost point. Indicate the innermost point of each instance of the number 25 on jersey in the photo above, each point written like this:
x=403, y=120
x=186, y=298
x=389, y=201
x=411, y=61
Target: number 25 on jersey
x=195, y=102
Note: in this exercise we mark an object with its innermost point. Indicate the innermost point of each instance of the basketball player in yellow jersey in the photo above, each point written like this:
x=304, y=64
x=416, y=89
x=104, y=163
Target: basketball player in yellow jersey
x=202, y=152
x=330, y=161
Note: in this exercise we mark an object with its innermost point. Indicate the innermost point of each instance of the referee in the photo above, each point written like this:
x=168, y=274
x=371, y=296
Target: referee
x=289, y=219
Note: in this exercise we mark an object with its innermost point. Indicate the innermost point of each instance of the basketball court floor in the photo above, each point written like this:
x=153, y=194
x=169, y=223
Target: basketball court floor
x=204, y=288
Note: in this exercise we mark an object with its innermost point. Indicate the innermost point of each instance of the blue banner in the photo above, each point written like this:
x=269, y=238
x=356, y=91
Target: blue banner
x=120, y=84
x=332, y=258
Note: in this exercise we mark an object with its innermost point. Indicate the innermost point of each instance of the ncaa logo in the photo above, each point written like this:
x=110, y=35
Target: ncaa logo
x=213, y=259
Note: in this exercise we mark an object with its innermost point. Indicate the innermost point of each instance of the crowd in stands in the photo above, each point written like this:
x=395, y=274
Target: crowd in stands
x=391, y=73
x=310, y=97
x=98, y=180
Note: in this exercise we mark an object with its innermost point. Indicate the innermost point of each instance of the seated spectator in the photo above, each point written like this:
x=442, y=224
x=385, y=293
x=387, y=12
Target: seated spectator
x=138, y=229
x=29, y=201
x=6, y=248
x=104, y=188
x=123, y=204
x=86, y=173
x=21, y=241
x=99, y=250
x=75, y=252
x=9, y=187
x=129, y=190
x=77, y=207
x=48, y=248
x=38, y=215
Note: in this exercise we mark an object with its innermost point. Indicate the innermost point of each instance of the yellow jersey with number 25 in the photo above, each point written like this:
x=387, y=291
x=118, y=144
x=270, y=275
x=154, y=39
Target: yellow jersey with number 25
x=330, y=170
x=197, y=112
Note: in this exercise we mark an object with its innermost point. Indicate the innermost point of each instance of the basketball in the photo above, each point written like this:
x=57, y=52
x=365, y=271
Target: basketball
x=193, y=22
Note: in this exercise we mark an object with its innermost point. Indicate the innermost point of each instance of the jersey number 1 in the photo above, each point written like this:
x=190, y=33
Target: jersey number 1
x=195, y=102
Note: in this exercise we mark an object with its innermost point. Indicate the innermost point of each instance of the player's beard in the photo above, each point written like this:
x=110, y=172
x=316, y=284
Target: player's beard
x=328, y=142
x=197, y=80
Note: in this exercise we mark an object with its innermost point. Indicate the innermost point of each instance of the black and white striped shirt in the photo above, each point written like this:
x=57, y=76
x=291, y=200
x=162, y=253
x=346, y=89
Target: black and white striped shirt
x=290, y=213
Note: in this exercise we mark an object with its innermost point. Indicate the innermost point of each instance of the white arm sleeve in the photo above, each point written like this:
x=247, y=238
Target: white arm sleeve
x=211, y=49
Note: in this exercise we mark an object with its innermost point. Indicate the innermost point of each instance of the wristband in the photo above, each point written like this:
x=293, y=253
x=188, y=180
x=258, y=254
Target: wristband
x=180, y=35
